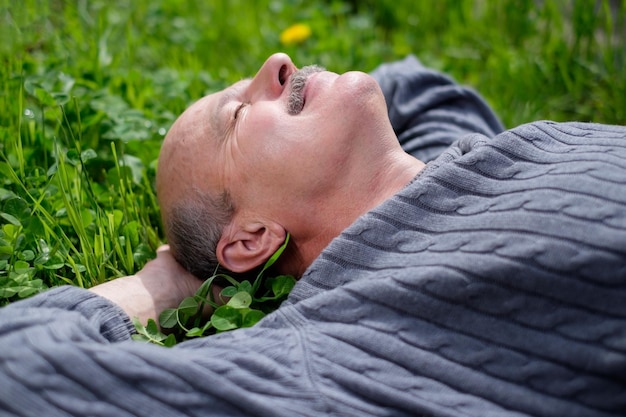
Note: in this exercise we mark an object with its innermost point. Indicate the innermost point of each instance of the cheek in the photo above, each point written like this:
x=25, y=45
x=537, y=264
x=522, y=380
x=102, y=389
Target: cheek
x=268, y=138
x=260, y=150
x=289, y=153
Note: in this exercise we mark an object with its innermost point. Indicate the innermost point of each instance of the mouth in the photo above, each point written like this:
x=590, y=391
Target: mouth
x=298, y=80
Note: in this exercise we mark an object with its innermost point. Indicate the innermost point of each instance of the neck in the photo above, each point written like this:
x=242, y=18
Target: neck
x=350, y=200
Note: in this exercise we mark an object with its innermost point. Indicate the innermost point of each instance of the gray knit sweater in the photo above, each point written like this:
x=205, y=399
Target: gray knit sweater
x=493, y=284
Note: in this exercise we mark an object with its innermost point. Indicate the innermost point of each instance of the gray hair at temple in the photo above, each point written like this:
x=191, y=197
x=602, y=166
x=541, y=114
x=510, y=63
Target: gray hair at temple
x=193, y=229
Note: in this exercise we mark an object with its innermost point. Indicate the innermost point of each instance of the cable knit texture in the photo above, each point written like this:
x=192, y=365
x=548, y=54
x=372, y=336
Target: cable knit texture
x=493, y=284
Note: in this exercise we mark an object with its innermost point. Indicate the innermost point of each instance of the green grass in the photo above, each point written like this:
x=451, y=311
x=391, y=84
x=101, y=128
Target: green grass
x=88, y=89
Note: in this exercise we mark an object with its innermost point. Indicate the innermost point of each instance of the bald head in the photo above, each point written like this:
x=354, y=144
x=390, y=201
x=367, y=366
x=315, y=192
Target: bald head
x=194, y=215
x=181, y=150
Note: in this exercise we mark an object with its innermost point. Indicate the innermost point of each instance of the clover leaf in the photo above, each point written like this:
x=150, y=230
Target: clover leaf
x=242, y=304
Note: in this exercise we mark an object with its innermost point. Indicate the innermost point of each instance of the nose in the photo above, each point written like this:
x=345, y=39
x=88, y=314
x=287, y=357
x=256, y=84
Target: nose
x=271, y=79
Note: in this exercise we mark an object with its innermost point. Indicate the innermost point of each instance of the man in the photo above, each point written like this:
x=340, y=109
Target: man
x=490, y=281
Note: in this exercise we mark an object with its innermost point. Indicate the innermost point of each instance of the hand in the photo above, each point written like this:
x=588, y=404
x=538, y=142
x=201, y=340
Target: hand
x=161, y=284
x=168, y=272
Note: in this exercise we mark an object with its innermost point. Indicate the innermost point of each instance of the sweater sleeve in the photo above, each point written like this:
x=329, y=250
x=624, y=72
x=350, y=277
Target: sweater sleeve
x=429, y=111
x=93, y=316
x=67, y=352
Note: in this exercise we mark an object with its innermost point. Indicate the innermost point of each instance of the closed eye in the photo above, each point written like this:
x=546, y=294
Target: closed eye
x=238, y=109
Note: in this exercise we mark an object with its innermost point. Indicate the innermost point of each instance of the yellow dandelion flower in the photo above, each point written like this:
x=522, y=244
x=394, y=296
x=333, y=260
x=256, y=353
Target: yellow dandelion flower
x=294, y=34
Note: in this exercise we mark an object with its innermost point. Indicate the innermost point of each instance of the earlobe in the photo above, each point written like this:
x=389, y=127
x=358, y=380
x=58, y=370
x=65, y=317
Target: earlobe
x=242, y=249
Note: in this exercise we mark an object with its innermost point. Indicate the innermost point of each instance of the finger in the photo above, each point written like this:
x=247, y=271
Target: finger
x=163, y=248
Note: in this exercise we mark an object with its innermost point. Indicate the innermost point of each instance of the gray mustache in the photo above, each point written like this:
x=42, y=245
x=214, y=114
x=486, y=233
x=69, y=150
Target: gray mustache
x=297, y=83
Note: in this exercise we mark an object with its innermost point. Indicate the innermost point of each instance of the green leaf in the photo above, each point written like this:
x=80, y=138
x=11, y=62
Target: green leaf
x=142, y=254
x=8, y=292
x=168, y=318
x=11, y=219
x=152, y=326
x=194, y=332
x=169, y=341
x=22, y=267
x=240, y=300
x=251, y=318
x=236, y=313
x=44, y=97
x=115, y=218
x=72, y=157
x=276, y=255
x=117, y=177
x=226, y=318
x=5, y=194
x=199, y=331
x=205, y=289
x=282, y=285
x=86, y=217
x=35, y=227
x=226, y=291
x=6, y=252
x=137, y=168
x=27, y=255
x=131, y=231
x=151, y=333
x=60, y=98
x=27, y=292
x=18, y=208
x=268, y=264
x=245, y=286
x=188, y=307
x=88, y=154
x=17, y=279
x=54, y=264
x=140, y=337
x=53, y=169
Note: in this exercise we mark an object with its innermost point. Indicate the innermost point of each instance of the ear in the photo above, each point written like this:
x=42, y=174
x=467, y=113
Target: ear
x=243, y=248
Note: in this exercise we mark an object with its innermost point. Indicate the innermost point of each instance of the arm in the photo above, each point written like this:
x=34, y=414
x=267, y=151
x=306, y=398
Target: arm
x=152, y=290
x=67, y=352
x=429, y=111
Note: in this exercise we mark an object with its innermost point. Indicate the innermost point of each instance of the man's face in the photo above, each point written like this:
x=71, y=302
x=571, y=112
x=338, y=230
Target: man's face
x=266, y=149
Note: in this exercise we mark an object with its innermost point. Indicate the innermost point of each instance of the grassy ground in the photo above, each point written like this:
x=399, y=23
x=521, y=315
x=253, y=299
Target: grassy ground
x=88, y=89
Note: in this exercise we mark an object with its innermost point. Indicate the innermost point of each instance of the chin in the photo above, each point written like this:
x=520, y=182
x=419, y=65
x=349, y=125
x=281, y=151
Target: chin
x=364, y=92
x=361, y=81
